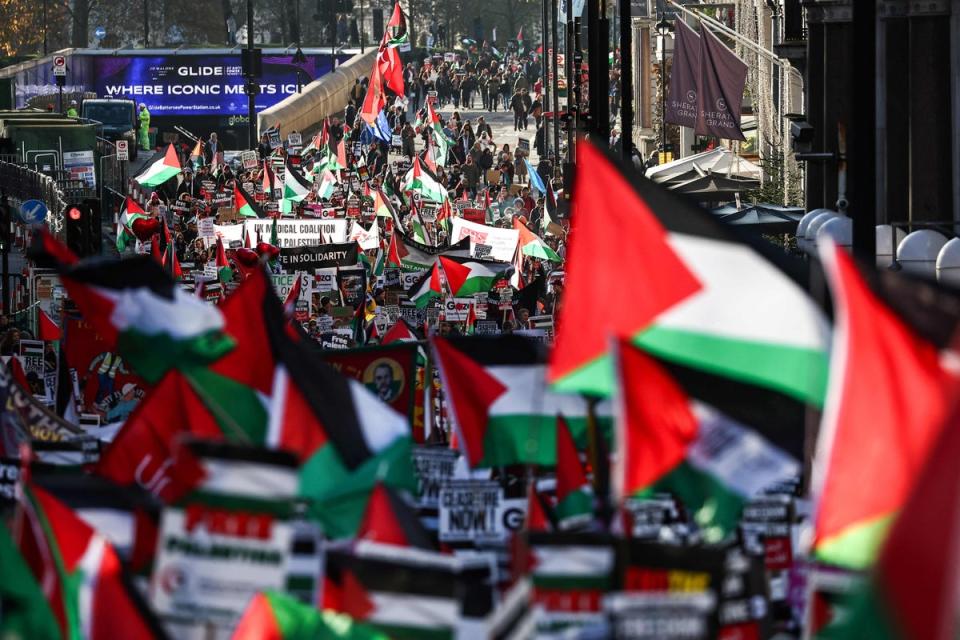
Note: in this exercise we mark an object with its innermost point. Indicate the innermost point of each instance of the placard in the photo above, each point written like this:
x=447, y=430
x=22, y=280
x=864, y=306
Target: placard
x=294, y=140
x=502, y=242
x=470, y=511
x=457, y=309
x=300, y=232
x=205, y=228
x=434, y=467
x=31, y=358
x=322, y=256
x=212, y=559
x=284, y=282
x=486, y=327
x=352, y=283
x=249, y=160
x=523, y=143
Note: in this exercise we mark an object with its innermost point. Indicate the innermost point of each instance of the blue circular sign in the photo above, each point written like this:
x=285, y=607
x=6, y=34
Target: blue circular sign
x=33, y=212
x=100, y=32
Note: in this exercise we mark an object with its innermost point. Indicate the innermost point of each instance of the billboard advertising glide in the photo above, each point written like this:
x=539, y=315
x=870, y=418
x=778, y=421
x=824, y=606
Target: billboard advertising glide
x=200, y=85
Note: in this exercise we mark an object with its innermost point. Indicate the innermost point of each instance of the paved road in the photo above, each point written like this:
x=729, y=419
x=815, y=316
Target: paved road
x=501, y=123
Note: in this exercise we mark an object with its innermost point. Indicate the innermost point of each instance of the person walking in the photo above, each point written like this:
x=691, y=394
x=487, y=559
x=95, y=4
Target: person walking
x=519, y=111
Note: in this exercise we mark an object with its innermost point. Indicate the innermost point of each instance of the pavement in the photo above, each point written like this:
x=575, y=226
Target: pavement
x=501, y=124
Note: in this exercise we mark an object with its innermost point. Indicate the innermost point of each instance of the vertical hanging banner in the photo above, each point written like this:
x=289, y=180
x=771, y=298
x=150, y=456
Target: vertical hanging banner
x=684, y=77
x=722, y=78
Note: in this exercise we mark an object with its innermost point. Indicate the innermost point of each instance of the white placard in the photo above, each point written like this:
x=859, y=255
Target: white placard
x=502, y=242
x=470, y=511
x=300, y=232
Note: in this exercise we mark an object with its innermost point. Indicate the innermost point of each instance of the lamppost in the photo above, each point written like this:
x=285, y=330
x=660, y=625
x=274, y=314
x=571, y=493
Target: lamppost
x=663, y=28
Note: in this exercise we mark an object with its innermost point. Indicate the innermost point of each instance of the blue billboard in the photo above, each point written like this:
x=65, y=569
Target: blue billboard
x=200, y=85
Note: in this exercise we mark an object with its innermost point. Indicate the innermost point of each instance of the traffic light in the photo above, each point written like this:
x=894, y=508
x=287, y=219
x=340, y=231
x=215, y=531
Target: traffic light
x=82, y=223
x=251, y=62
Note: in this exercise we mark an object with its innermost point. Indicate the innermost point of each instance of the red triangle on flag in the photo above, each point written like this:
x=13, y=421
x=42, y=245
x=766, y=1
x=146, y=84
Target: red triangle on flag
x=657, y=424
x=48, y=329
x=471, y=395
x=455, y=272
x=170, y=158
x=648, y=279
x=355, y=601
x=888, y=399
x=379, y=522
x=570, y=474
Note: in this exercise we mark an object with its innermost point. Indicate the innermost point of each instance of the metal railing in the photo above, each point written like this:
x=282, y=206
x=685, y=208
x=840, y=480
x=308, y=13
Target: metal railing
x=20, y=183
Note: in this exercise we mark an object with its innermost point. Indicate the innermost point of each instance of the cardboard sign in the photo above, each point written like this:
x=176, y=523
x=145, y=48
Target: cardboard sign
x=502, y=242
x=486, y=327
x=284, y=282
x=205, y=228
x=523, y=143
x=273, y=136
x=249, y=160
x=457, y=309
x=212, y=559
x=31, y=358
x=434, y=468
x=294, y=140
x=470, y=511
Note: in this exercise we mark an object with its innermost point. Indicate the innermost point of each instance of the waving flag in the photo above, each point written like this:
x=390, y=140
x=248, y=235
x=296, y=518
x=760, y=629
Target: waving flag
x=695, y=292
x=420, y=180
x=396, y=32
x=467, y=277
x=162, y=170
x=531, y=244
x=889, y=397
x=273, y=615
x=130, y=214
x=427, y=288
x=139, y=311
x=246, y=205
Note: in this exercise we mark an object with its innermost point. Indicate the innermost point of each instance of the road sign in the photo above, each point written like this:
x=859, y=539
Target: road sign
x=59, y=65
x=123, y=150
x=100, y=33
x=33, y=212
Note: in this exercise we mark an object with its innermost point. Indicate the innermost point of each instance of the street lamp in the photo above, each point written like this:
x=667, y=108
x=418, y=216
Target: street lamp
x=663, y=28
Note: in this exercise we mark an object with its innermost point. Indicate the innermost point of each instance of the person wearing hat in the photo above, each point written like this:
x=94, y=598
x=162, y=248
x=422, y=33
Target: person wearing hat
x=72, y=109
x=144, y=127
x=125, y=404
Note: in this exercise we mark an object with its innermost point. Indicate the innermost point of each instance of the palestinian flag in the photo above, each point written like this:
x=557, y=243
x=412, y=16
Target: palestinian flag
x=440, y=138
x=890, y=394
x=272, y=615
x=574, y=496
x=86, y=591
x=269, y=179
x=246, y=205
x=531, y=245
x=396, y=33
x=171, y=263
x=420, y=180
x=913, y=588
x=327, y=184
x=139, y=311
x=396, y=251
x=408, y=593
x=345, y=438
x=467, y=277
x=500, y=402
x=399, y=332
x=382, y=206
x=162, y=170
x=470, y=325
x=130, y=214
x=668, y=442
x=388, y=519
x=26, y=612
x=295, y=186
x=224, y=272
x=48, y=330
x=196, y=156
x=222, y=402
x=690, y=290
x=427, y=288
